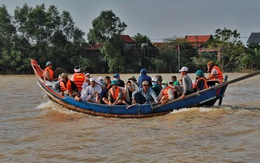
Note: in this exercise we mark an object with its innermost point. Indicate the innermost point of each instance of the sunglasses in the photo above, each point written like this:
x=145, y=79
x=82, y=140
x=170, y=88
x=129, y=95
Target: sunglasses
x=145, y=85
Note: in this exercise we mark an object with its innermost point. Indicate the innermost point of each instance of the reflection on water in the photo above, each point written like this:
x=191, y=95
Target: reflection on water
x=35, y=129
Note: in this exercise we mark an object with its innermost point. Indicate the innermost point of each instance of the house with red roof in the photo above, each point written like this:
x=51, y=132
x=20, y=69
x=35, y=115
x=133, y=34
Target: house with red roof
x=198, y=41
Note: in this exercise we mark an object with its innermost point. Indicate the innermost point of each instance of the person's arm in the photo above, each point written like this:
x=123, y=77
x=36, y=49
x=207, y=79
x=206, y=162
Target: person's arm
x=170, y=94
x=154, y=96
x=47, y=75
x=119, y=97
x=84, y=95
x=212, y=74
x=160, y=95
x=133, y=95
x=185, y=89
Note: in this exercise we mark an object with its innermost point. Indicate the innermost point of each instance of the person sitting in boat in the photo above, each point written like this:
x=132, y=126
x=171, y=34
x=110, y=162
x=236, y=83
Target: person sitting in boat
x=155, y=86
x=85, y=84
x=172, y=80
x=121, y=83
x=178, y=89
x=144, y=94
x=186, y=82
x=130, y=87
x=66, y=86
x=215, y=74
x=166, y=93
x=200, y=82
x=107, y=86
x=48, y=74
x=78, y=78
x=159, y=80
x=144, y=77
x=133, y=79
x=115, y=95
x=91, y=93
x=56, y=84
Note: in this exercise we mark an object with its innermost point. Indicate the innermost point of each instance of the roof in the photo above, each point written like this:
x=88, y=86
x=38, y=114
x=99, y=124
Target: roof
x=200, y=40
x=254, y=37
x=127, y=39
x=96, y=46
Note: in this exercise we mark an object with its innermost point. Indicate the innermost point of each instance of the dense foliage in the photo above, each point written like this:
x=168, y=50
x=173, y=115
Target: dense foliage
x=45, y=34
x=41, y=34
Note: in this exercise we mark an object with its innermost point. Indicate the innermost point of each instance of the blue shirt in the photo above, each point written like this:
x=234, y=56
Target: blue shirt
x=150, y=95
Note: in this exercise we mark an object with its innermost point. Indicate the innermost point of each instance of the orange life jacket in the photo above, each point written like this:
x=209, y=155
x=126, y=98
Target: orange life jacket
x=165, y=91
x=50, y=73
x=219, y=74
x=78, y=79
x=114, y=93
x=205, y=83
x=66, y=87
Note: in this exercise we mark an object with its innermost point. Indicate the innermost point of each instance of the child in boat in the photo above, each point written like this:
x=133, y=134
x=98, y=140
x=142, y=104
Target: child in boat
x=115, y=95
x=166, y=93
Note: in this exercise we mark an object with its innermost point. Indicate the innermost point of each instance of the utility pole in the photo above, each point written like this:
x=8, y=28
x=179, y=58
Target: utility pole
x=179, y=57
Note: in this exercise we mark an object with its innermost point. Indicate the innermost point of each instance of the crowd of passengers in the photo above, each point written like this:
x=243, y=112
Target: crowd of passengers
x=84, y=87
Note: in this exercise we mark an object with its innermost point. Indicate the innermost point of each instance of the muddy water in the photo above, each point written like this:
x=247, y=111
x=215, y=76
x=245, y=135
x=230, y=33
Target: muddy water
x=34, y=129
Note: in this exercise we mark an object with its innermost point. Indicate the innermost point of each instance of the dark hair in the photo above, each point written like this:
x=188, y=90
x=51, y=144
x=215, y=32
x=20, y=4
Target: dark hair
x=107, y=77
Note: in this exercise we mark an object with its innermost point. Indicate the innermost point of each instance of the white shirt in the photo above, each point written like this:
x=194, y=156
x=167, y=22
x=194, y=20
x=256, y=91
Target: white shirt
x=90, y=91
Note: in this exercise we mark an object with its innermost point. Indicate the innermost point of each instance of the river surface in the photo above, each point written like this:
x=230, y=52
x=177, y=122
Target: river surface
x=35, y=129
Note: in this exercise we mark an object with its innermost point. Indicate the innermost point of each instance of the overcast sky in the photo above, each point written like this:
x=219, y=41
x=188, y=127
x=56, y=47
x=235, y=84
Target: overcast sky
x=160, y=19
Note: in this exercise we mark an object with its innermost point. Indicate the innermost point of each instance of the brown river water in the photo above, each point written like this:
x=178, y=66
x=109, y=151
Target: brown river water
x=35, y=129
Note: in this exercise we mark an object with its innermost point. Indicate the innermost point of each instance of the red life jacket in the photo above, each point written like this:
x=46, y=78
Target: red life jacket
x=114, y=93
x=78, y=79
x=205, y=83
x=67, y=87
x=50, y=71
x=219, y=75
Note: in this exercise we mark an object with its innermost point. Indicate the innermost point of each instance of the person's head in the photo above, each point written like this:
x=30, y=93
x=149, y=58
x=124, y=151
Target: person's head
x=87, y=80
x=101, y=81
x=145, y=85
x=49, y=64
x=159, y=77
x=184, y=70
x=114, y=84
x=143, y=71
x=200, y=73
x=154, y=81
x=107, y=80
x=129, y=83
x=92, y=82
x=164, y=84
x=210, y=65
x=132, y=78
x=87, y=75
x=64, y=76
x=77, y=69
x=173, y=78
x=116, y=77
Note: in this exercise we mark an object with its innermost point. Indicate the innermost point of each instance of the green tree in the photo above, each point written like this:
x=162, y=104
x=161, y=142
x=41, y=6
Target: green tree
x=7, y=32
x=51, y=35
x=250, y=58
x=106, y=30
x=146, y=51
x=231, y=47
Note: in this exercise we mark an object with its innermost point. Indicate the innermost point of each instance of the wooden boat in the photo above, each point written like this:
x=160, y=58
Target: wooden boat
x=206, y=97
